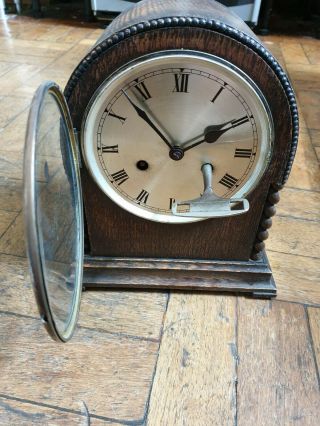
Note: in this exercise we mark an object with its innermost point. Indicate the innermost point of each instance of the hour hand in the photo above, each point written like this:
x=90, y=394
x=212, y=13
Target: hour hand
x=214, y=132
x=148, y=119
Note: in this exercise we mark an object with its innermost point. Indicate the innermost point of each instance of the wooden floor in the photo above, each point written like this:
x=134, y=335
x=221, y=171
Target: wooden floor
x=158, y=358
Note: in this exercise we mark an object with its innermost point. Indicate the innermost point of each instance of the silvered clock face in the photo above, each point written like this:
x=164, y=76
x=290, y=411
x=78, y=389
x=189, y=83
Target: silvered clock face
x=151, y=126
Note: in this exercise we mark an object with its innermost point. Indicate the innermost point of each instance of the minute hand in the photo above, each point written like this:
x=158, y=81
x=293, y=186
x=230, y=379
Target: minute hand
x=142, y=114
x=213, y=133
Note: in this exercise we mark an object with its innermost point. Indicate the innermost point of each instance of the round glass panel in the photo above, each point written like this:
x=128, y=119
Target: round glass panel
x=53, y=211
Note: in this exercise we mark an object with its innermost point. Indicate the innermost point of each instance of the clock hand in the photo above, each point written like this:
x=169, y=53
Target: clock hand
x=213, y=133
x=142, y=114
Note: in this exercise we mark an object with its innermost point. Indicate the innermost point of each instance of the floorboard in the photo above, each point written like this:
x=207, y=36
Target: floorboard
x=277, y=380
x=195, y=381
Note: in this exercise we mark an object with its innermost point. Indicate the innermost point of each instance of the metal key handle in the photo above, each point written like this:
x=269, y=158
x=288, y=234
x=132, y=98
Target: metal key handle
x=209, y=204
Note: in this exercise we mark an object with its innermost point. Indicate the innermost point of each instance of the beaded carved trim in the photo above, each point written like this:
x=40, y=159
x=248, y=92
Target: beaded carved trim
x=217, y=26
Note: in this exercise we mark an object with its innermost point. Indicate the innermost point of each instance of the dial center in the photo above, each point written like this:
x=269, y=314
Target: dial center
x=176, y=153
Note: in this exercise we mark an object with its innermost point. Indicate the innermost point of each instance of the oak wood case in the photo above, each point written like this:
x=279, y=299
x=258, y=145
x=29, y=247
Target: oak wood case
x=155, y=26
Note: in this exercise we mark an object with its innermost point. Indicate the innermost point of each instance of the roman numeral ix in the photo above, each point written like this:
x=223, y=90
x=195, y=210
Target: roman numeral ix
x=228, y=181
x=243, y=153
x=120, y=177
x=142, y=89
x=181, y=82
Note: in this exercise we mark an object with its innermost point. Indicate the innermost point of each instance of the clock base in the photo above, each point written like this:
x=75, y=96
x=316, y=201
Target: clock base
x=247, y=277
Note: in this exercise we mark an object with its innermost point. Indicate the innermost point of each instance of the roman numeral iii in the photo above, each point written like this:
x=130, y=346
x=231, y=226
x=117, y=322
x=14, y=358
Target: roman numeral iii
x=228, y=181
x=142, y=198
x=109, y=149
x=120, y=177
x=181, y=82
x=243, y=153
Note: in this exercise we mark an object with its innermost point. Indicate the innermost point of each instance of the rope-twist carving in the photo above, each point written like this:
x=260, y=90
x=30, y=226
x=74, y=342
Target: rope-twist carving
x=265, y=223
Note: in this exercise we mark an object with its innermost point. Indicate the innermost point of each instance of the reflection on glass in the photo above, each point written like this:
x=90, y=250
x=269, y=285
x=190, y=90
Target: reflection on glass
x=57, y=212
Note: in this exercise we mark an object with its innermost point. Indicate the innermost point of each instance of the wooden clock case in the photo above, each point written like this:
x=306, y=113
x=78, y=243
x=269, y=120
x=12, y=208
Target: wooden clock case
x=226, y=254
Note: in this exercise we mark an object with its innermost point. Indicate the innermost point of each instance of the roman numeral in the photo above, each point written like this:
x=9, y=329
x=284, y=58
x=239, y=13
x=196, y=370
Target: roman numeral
x=240, y=121
x=243, y=153
x=217, y=94
x=142, y=197
x=120, y=177
x=109, y=149
x=182, y=81
x=112, y=114
x=171, y=201
x=142, y=89
x=228, y=181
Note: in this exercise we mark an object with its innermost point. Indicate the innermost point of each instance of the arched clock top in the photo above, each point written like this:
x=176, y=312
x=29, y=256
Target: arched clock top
x=154, y=16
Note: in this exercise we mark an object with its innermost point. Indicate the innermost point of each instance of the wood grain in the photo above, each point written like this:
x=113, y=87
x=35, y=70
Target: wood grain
x=24, y=57
x=16, y=291
x=126, y=312
x=226, y=238
x=299, y=204
x=12, y=241
x=36, y=47
x=154, y=9
x=305, y=172
x=11, y=164
x=295, y=236
x=112, y=375
x=314, y=318
x=6, y=218
x=304, y=77
x=11, y=106
x=311, y=47
x=18, y=76
x=195, y=381
x=310, y=99
x=138, y=314
x=277, y=382
x=6, y=67
x=12, y=136
x=293, y=53
x=14, y=413
x=297, y=277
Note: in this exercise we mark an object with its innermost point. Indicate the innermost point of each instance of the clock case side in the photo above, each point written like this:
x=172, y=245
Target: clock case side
x=240, y=238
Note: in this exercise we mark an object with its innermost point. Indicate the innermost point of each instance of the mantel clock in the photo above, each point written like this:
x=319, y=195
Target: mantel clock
x=160, y=165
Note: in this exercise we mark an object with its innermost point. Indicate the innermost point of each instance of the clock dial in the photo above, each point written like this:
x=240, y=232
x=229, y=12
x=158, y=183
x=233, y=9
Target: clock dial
x=149, y=129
